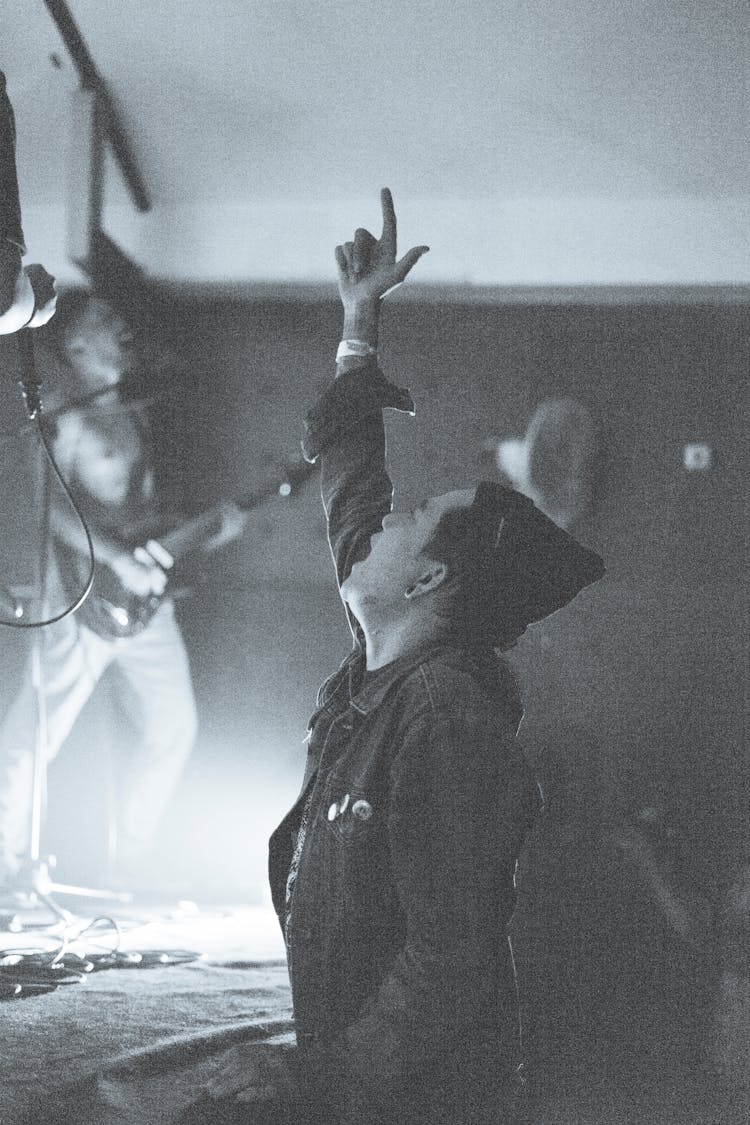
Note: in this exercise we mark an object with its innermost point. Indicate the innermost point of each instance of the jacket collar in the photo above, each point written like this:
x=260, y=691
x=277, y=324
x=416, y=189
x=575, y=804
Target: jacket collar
x=367, y=690
x=366, y=696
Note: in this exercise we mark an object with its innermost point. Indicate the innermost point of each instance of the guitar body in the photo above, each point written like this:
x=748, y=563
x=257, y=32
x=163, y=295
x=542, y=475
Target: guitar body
x=113, y=611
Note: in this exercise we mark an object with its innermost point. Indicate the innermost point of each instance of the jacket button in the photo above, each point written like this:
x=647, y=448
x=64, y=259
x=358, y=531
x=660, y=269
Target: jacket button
x=333, y=812
x=362, y=810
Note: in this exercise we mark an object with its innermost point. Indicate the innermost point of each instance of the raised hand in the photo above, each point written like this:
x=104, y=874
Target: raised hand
x=233, y=523
x=367, y=266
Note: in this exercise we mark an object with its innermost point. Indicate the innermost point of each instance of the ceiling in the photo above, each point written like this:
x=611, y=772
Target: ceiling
x=536, y=142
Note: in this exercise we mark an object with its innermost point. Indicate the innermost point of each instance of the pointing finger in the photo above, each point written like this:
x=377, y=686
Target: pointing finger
x=388, y=237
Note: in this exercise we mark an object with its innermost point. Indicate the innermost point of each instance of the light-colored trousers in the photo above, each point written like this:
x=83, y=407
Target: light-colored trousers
x=158, y=699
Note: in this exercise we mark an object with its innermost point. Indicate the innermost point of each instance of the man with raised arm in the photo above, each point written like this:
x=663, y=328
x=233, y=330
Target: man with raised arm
x=393, y=874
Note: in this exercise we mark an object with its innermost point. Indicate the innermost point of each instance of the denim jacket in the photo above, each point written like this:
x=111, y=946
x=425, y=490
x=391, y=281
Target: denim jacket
x=418, y=800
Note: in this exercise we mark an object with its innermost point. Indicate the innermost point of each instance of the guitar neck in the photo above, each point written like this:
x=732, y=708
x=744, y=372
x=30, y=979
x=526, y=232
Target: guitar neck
x=183, y=539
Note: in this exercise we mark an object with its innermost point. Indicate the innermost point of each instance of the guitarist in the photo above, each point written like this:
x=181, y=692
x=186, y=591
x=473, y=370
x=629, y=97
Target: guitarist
x=103, y=443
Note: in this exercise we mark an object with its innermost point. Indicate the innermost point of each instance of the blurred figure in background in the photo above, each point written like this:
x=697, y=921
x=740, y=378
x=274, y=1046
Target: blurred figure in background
x=558, y=462
x=665, y=936
x=729, y=1044
x=683, y=933
x=108, y=451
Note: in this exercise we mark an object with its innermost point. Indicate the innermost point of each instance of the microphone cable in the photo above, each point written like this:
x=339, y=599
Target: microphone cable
x=30, y=391
x=28, y=971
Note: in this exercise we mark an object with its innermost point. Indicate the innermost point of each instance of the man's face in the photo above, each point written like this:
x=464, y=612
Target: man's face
x=100, y=345
x=396, y=560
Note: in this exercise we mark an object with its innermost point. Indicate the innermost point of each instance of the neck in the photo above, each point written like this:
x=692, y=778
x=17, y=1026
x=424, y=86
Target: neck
x=386, y=641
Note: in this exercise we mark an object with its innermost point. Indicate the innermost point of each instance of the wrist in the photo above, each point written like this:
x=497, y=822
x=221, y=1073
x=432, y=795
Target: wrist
x=361, y=322
x=357, y=350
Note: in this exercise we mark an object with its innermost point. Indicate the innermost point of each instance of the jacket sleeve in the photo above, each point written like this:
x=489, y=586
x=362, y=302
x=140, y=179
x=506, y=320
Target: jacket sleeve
x=10, y=207
x=345, y=430
x=461, y=807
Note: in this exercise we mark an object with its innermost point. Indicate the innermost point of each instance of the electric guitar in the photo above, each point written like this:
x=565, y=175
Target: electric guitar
x=113, y=611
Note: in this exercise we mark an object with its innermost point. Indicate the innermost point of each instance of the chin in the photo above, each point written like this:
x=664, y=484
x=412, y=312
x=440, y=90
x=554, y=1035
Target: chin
x=355, y=590
x=348, y=589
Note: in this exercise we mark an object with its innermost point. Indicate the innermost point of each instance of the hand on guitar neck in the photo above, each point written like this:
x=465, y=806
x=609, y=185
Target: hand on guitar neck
x=233, y=523
x=129, y=584
x=139, y=571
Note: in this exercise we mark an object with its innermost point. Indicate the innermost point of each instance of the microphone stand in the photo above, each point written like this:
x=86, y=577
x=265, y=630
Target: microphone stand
x=35, y=880
x=39, y=884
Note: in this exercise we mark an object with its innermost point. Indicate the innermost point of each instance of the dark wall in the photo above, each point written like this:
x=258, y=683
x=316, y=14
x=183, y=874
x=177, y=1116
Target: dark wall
x=655, y=376
x=658, y=644
x=640, y=684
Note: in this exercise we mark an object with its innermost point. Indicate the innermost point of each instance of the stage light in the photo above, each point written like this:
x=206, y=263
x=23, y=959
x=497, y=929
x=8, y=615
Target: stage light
x=696, y=457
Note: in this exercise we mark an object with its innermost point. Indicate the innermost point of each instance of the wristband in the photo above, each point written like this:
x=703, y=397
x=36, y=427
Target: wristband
x=355, y=347
x=33, y=294
x=33, y=313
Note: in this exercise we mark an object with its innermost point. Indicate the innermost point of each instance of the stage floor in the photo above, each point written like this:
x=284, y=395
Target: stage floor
x=136, y=1046
x=155, y=1031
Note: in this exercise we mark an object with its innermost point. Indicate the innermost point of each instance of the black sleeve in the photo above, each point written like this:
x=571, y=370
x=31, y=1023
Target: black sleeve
x=10, y=208
x=345, y=430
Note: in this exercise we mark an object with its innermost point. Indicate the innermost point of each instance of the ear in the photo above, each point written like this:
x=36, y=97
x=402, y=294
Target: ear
x=429, y=580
